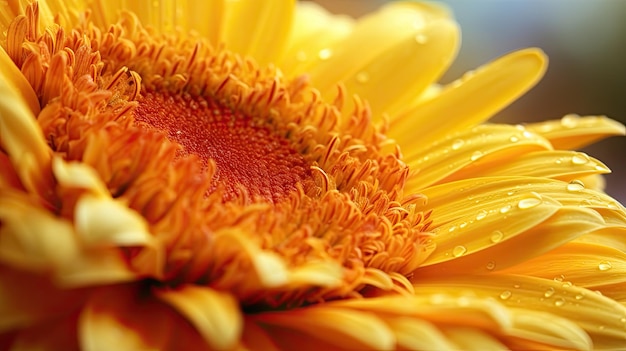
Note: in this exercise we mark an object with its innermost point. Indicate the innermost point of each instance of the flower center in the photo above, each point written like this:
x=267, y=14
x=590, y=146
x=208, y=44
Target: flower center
x=249, y=156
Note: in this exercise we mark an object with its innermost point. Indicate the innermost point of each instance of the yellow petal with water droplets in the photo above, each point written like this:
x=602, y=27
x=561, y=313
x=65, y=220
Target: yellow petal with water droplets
x=257, y=28
x=602, y=318
x=582, y=263
x=473, y=339
x=124, y=318
x=470, y=101
x=348, y=330
x=216, y=315
x=314, y=30
x=574, y=132
x=423, y=58
x=557, y=164
x=488, y=247
x=377, y=31
x=485, y=144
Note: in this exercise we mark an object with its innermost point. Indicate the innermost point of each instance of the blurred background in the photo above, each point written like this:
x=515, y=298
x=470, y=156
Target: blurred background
x=585, y=41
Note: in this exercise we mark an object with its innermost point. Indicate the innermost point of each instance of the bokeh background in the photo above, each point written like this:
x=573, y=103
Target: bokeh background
x=586, y=43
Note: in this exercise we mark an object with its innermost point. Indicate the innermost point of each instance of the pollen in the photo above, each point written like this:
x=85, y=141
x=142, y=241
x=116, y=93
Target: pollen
x=249, y=155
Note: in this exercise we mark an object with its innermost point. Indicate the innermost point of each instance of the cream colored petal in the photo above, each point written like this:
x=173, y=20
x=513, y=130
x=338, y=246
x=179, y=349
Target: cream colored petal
x=106, y=222
x=33, y=238
x=469, y=150
x=215, y=315
x=257, y=28
x=343, y=328
x=124, y=318
x=314, y=30
x=582, y=263
x=20, y=136
x=372, y=36
x=574, y=132
x=78, y=175
x=471, y=100
x=397, y=76
x=600, y=317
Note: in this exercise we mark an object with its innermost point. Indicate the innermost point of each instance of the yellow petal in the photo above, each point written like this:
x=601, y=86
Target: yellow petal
x=582, y=263
x=560, y=332
x=314, y=29
x=574, y=132
x=215, y=315
x=599, y=316
x=473, y=339
x=78, y=175
x=379, y=32
x=417, y=334
x=349, y=329
x=472, y=100
x=423, y=59
x=15, y=82
x=475, y=148
x=251, y=27
x=122, y=318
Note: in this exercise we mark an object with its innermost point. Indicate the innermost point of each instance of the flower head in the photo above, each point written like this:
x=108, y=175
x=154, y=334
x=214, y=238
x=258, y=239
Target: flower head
x=269, y=177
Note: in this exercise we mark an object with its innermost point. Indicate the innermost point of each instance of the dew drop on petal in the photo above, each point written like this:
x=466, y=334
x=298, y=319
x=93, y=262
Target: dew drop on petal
x=476, y=155
x=570, y=121
x=459, y=251
x=491, y=265
x=605, y=266
x=559, y=302
x=505, y=295
x=549, y=292
x=559, y=278
x=325, y=54
x=421, y=39
x=496, y=236
x=457, y=144
x=575, y=185
x=516, y=286
x=579, y=296
x=505, y=209
x=528, y=203
x=481, y=215
x=362, y=77
x=580, y=158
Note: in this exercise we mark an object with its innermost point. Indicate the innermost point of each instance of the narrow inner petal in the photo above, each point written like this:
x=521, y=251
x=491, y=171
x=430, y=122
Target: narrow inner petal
x=249, y=156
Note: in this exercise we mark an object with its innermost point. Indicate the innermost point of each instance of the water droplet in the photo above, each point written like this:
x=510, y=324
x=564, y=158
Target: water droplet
x=580, y=158
x=457, y=144
x=476, y=155
x=496, y=236
x=505, y=295
x=559, y=278
x=325, y=54
x=421, y=39
x=605, y=266
x=567, y=284
x=527, y=134
x=514, y=139
x=491, y=265
x=481, y=215
x=505, y=209
x=622, y=320
x=579, y=296
x=601, y=327
x=529, y=202
x=362, y=77
x=451, y=229
x=575, y=185
x=516, y=286
x=463, y=225
x=569, y=121
x=558, y=161
x=559, y=302
x=549, y=292
x=459, y=251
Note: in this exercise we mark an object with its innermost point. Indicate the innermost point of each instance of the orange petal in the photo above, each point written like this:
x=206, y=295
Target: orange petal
x=215, y=315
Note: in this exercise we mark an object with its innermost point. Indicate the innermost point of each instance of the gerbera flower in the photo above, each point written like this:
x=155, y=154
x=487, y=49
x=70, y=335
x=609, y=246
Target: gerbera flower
x=248, y=174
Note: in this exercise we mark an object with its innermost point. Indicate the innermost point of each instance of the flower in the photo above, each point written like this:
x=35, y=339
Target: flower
x=230, y=176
